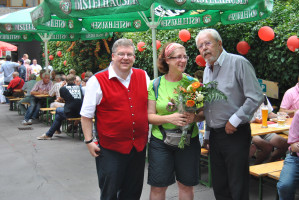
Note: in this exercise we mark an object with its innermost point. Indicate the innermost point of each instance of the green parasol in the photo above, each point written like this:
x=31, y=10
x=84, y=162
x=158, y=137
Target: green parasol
x=139, y=15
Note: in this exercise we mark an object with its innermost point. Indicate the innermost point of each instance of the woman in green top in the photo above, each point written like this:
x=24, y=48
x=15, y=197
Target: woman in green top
x=168, y=163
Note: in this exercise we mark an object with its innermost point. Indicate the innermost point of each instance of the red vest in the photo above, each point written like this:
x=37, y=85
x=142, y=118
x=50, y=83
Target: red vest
x=122, y=121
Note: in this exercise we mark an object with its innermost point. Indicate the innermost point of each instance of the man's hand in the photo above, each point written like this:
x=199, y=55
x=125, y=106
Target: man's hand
x=229, y=128
x=94, y=150
x=206, y=144
x=295, y=147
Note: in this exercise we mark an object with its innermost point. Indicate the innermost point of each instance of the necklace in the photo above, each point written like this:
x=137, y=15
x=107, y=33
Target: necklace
x=171, y=106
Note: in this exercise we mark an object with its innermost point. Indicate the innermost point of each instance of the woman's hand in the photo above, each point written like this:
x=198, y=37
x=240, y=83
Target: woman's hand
x=190, y=117
x=178, y=119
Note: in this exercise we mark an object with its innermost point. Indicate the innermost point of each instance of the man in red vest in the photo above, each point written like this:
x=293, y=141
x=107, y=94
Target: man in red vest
x=117, y=98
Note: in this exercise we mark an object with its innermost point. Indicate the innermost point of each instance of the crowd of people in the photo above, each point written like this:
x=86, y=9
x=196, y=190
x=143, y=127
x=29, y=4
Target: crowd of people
x=123, y=102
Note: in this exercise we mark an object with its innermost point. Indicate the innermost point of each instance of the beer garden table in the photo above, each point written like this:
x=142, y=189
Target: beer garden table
x=256, y=129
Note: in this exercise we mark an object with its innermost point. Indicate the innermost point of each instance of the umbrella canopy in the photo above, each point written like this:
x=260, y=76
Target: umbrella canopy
x=4, y=46
x=17, y=26
x=140, y=15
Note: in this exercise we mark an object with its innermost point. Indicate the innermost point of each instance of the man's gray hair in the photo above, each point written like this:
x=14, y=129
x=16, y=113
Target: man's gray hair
x=46, y=74
x=213, y=32
x=124, y=43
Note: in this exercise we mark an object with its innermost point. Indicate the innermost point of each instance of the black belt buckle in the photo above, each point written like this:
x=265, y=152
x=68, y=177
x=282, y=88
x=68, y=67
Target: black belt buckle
x=294, y=154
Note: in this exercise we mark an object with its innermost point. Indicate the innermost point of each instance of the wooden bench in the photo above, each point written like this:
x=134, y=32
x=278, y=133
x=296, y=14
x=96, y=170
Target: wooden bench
x=262, y=170
x=205, y=161
x=47, y=110
x=285, y=136
x=14, y=102
x=79, y=129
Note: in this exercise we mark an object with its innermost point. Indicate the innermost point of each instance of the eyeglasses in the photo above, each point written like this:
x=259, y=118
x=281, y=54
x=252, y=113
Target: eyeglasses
x=180, y=58
x=207, y=44
x=122, y=55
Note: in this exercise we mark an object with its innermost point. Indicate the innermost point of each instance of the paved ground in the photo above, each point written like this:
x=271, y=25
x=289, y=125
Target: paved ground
x=61, y=169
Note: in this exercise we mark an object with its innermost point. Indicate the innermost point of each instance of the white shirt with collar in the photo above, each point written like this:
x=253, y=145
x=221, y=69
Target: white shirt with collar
x=94, y=95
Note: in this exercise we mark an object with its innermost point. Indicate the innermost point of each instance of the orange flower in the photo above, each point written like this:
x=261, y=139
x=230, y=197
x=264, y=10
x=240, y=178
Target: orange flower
x=190, y=103
x=195, y=85
x=183, y=89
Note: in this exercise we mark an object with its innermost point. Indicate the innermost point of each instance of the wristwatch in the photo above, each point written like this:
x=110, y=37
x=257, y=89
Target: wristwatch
x=89, y=141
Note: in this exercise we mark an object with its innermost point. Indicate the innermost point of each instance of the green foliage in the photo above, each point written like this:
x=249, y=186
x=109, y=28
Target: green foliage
x=272, y=60
x=80, y=55
x=212, y=94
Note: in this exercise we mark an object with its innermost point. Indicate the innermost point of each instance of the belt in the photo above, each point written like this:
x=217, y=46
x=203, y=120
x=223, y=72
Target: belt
x=240, y=126
x=294, y=154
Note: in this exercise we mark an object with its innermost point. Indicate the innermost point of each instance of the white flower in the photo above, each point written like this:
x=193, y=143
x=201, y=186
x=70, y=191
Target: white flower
x=199, y=96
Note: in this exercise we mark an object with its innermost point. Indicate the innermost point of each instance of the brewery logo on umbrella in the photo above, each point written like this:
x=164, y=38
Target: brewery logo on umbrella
x=180, y=2
x=207, y=19
x=72, y=36
x=137, y=24
x=8, y=27
x=65, y=6
x=71, y=24
x=25, y=36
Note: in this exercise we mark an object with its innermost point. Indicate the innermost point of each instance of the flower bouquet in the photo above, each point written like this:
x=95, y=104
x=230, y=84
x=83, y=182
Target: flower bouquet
x=191, y=97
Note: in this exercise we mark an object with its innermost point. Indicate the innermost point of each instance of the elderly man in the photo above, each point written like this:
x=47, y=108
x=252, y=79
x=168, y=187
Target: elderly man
x=228, y=131
x=55, y=91
x=117, y=97
x=16, y=83
x=41, y=87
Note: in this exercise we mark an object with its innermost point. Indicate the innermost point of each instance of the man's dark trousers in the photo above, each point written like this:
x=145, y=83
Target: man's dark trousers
x=120, y=175
x=229, y=163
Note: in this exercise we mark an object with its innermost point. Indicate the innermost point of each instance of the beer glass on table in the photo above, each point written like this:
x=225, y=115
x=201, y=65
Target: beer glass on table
x=264, y=116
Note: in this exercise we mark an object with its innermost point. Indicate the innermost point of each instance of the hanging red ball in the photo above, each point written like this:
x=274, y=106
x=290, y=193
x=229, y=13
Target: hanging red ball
x=59, y=54
x=64, y=63
x=243, y=47
x=158, y=44
x=51, y=57
x=184, y=35
x=293, y=43
x=141, y=46
x=200, y=61
x=43, y=54
x=266, y=33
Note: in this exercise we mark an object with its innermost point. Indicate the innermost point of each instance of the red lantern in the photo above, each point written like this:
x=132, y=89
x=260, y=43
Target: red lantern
x=293, y=43
x=64, y=63
x=43, y=54
x=158, y=44
x=184, y=35
x=140, y=46
x=59, y=54
x=48, y=52
x=266, y=33
x=243, y=47
x=200, y=61
x=51, y=57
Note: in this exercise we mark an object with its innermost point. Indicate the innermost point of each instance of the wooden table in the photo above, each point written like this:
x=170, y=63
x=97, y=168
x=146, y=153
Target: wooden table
x=256, y=129
x=43, y=96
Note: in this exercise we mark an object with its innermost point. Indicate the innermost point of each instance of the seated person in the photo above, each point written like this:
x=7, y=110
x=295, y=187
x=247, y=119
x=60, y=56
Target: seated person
x=289, y=176
x=60, y=81
x=41, y=87
x=72, y=96
x=266, y=143
x=16, y=83
x=290, y=100
x=27, y=88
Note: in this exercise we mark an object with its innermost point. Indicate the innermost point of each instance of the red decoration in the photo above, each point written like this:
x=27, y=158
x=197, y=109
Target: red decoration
x=59, y=54
x=158, y=44
x=184, y=35
x=48, y=52
x=200, y=61
x=64, y=63
x=43, y=54
x=243, y=47
x=266, y=33
x=293, y=43
x=140, y=46
x=51, y=57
